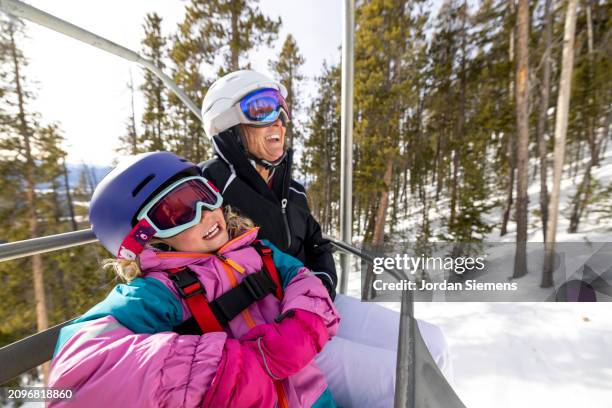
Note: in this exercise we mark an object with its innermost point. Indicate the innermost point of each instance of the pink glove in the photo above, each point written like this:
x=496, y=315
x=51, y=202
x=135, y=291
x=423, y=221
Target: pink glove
x=286, y=347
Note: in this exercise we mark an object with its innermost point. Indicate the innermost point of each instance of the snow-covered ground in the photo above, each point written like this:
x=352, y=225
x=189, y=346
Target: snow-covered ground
x=508, y=355
x=528, y=354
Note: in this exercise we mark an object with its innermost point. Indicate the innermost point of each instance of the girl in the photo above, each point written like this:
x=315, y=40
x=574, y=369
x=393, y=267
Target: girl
x=192, y=266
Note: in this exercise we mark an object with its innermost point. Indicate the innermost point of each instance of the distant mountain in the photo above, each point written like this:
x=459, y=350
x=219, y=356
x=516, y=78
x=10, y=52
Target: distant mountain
x=95, y=174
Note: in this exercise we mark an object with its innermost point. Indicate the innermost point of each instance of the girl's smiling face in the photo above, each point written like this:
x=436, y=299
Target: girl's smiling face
x=208, y=235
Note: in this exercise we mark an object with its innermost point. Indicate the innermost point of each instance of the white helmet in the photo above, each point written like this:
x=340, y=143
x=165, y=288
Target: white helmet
x=221, y=110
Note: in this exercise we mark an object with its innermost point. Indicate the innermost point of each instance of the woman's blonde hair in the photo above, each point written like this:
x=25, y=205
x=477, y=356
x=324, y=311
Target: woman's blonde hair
x=128, y=270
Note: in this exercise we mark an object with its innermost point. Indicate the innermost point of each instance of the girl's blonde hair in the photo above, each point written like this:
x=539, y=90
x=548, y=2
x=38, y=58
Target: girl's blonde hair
x=128, y=270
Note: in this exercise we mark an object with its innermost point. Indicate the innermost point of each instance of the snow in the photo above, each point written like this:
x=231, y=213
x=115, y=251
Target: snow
x=526, y=354
x=508, y=355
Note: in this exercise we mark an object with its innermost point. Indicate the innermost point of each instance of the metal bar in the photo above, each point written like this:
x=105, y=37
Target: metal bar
x=405, y=374
x=405, y=368
x=25, y=354
x=29, y=247
x=27, y=12
x=349, y=248
x=344, y=247
x=346, y=147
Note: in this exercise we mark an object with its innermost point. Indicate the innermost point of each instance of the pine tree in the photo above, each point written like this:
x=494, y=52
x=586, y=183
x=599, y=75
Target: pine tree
x=522, y=117
x=191, y=49
x=154, y=119
x=287, y=69
x=129, y=142
x=591, y=87
x=561, y=120
x=20, y=140
x=233, y=26
x=321, y=155
x=230, y=27
x=32, y=204
x=542, y=124
x=382, y=93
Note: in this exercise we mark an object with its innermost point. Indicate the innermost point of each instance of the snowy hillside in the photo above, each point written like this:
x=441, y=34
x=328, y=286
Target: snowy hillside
x=591, y=228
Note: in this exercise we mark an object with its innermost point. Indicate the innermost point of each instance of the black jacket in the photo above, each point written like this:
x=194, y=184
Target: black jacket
x=281, y=211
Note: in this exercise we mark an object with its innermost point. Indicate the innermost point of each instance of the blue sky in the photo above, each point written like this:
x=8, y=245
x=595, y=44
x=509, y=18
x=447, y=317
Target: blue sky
x=84, y=89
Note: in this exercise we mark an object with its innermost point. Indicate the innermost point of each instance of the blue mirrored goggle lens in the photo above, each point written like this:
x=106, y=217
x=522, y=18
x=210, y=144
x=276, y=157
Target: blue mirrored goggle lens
x=263, y=105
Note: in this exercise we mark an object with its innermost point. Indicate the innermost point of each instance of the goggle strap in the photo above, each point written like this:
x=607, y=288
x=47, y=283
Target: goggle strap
x=212, y=186
x=135, y=241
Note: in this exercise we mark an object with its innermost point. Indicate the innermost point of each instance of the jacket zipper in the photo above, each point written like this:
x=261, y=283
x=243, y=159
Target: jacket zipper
x=286, y=221
x=284, y=203
x=231, y=263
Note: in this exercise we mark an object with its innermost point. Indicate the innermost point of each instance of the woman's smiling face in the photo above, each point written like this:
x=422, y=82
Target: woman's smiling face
x=266, y=143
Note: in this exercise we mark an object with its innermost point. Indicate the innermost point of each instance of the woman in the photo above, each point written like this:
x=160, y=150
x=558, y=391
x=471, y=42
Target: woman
x=245, y=115
x=253, y=167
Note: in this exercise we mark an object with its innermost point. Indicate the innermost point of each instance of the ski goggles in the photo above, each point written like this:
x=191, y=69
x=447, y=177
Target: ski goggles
x=179, y=206
x=263, y=106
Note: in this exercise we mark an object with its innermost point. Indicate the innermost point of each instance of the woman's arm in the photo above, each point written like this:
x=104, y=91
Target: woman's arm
x=317, y=250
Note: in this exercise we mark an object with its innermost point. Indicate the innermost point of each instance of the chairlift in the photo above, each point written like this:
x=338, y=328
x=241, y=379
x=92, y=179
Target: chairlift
x=419, y=382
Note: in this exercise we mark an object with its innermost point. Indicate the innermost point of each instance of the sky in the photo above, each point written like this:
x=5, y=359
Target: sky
x=85, y=89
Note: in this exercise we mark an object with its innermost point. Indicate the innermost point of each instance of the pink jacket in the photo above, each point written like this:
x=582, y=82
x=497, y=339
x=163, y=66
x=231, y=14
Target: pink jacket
x=122, y=352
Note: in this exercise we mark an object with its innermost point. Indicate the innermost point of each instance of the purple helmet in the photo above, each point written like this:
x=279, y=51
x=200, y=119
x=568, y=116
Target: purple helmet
x=127, y=188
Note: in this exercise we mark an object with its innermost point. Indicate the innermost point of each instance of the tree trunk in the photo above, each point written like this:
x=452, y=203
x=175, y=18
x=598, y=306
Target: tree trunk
x=563, y=102
x=69, y=196
x=379, y=229
x=328, y=184
x=234, y=43
x=522, y=122
x=37, y=268
x=511, y=137
x=584, y=190
x=439, y=167
x=510, y=189
x=543, y=114
x=580, y=200
x=133, y=135
x=459, y=136
x=454, y=187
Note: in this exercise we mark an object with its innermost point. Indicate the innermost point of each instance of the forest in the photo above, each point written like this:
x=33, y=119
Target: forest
x=458, y=108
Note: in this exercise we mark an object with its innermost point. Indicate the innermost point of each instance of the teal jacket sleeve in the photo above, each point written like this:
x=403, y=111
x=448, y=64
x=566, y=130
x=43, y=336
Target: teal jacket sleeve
x=286, y=265
x=145, y=305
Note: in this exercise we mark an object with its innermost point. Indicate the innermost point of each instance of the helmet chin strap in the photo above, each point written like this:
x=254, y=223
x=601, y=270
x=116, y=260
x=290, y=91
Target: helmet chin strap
x=266, y=164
